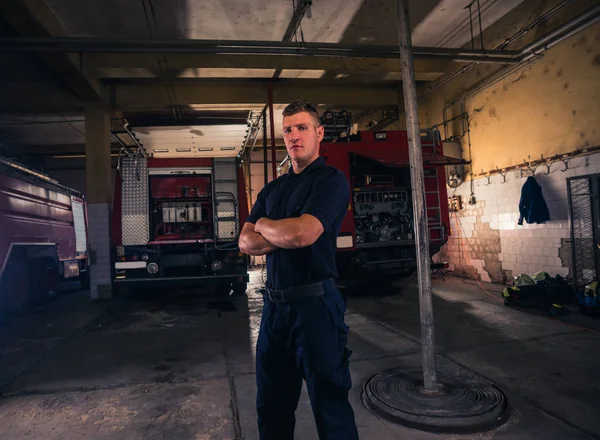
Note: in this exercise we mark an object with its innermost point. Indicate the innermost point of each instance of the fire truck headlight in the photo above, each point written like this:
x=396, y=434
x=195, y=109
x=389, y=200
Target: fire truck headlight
x=152, y=268
x=216, y=266
x=145, y=257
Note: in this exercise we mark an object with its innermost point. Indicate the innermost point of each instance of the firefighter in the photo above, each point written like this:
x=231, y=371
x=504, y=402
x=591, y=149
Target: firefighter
x=295, y=223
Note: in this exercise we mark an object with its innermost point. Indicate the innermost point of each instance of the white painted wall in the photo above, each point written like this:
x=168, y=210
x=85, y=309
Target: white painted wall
x=523, y=249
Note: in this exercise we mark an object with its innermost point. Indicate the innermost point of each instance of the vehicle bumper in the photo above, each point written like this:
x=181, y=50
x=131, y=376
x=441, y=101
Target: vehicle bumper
x=181, y=281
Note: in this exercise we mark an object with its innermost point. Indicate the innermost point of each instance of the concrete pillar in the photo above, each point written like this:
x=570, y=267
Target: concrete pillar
x=99, y=189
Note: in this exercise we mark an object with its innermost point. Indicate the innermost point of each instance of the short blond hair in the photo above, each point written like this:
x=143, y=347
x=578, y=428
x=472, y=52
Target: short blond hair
x=301, y=105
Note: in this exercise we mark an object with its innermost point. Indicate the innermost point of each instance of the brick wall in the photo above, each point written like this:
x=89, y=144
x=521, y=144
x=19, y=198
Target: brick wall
x=487, y=242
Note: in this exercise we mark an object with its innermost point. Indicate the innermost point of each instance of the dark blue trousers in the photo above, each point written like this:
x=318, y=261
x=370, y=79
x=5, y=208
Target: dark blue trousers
x=299, y=340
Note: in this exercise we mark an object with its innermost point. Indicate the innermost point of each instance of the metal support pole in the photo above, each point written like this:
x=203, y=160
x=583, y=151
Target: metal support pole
x=471, y=24
x=272, y=123
x=480, y=24
x=265, y=157
x=418, y=193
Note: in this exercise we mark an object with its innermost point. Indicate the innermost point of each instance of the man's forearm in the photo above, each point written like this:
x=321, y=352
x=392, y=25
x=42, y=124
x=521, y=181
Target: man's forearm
x=285, y=233
x=253, y=243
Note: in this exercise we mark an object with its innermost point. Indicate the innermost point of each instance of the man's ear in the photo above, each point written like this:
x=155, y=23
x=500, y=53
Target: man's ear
x=320, y=132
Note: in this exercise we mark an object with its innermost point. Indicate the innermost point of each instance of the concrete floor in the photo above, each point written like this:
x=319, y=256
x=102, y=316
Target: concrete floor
x=173, y=366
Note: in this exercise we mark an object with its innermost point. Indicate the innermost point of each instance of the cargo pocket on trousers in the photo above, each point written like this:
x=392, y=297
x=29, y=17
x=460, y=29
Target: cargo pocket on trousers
x=337, y=308
x=334, y=364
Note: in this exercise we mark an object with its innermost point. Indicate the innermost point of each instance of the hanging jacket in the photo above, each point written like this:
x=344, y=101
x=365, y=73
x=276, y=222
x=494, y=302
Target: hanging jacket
x=532, y=206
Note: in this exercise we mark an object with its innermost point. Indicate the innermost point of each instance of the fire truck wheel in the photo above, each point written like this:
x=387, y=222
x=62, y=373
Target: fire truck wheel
x=16, y=297
x=222, y=289
x=49, y=281
x=84, y=279
x=239, y=287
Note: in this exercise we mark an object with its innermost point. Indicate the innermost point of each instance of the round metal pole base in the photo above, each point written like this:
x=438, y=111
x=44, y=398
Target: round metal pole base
x=463, y=403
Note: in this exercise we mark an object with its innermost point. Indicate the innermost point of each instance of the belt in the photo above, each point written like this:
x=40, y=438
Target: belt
x=296, y=293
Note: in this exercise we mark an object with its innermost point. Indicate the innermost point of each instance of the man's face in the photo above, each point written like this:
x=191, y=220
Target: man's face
x=302, y=136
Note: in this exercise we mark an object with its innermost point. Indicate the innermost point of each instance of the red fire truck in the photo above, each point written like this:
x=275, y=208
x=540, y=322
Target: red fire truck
x=377, y=232
x=176, y=221
x=43, y=238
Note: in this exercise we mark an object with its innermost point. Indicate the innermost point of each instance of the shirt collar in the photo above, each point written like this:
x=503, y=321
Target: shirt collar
x=315, y=164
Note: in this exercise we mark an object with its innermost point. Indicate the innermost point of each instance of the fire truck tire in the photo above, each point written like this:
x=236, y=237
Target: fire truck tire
x=16, y=294
x=222, y=289
x=48, y=282
x=84, y=279
x=239, y=287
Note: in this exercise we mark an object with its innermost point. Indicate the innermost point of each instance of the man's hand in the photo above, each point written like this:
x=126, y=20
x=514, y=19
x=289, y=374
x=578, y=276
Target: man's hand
x=253, y=243
x=290, y=233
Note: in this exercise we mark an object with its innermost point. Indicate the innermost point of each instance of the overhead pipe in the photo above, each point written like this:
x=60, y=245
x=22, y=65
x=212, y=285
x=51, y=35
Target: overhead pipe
x=531, y=57
x=582, y=21
x=231, y=47
x=289, y=48
x=545, y=16
x=534, y=49
x=542, y=48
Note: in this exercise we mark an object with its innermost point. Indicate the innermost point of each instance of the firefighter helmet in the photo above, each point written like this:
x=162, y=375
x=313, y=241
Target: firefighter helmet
x=592, y=289
x=540, y=276
x=523, y=280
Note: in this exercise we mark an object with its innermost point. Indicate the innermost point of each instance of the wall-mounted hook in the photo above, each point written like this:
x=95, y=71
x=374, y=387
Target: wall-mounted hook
x=502, y=174
x=566, y=162
x=528, y=166
x=488, y=177
x=547, y=164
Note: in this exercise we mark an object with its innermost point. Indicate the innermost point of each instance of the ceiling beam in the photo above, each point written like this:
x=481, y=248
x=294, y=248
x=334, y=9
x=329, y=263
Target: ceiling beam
x=55, y=149
x=50, y=150
x=34, y=18
x=330, y=64
x=36, y=98
x=132, y=97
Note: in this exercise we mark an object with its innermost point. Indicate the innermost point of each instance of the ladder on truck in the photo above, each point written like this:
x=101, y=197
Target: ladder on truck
x=433, y=206
x=225, y=186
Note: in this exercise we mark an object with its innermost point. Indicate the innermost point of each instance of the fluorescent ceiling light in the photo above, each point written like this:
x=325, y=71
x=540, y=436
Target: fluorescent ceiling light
x=160, y=151
x=227, y=148
x=184, y=150
x=205, y=149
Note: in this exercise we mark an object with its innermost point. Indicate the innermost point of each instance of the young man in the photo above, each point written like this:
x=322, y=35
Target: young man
x=295, y=222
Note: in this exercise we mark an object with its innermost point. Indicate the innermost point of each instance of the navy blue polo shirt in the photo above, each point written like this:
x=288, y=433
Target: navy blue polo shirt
x=321, y=191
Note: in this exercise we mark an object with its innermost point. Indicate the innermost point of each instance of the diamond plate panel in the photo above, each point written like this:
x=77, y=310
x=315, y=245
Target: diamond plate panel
x=134, y=194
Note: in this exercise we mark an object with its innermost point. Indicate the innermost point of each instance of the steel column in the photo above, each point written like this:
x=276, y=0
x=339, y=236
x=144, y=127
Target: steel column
x=418, y=193
x=265, y=157
x=272, y=124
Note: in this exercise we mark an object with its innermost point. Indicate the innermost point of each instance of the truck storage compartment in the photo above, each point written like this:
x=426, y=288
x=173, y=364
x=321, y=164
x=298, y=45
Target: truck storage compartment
x=180, y=208
x=377, y=232
x=176, y=222
x=382, y=203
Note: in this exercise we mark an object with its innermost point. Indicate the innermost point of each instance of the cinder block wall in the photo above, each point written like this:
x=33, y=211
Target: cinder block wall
x=487, y=242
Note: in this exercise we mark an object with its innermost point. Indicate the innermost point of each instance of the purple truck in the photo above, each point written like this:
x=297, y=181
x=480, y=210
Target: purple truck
x=43, y=237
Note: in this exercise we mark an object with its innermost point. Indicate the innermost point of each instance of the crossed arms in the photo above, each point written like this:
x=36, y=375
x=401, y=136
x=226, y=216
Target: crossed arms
x=267, y=235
